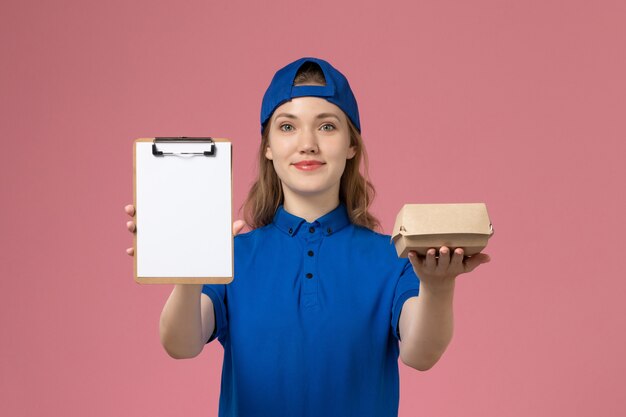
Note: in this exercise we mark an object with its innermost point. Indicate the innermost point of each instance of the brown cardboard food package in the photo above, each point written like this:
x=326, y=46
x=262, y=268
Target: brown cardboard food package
x=422, y=226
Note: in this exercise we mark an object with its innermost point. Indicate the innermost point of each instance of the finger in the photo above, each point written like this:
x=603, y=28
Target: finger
x=415, y=260
x=430, y=262
x=131, y=225
x=130, y=251
x=475, y=260
x=457, y=260
x=237, y=226
x=130, y=210
x=444, y=258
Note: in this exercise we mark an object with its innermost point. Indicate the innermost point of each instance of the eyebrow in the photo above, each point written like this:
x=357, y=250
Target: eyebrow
x=319, y=116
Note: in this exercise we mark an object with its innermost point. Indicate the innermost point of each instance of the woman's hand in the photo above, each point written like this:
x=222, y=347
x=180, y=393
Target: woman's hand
x=440, y=273
x=130, y=225
x=130, y=210
x=237, y=226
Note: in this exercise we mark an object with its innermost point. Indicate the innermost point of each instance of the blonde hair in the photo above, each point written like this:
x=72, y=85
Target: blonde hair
x=355, y=191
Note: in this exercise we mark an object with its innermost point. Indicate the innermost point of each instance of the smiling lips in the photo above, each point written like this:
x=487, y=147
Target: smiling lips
x=308, y=165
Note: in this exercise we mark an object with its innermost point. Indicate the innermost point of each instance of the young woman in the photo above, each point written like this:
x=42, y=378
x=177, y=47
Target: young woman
x=321, y=306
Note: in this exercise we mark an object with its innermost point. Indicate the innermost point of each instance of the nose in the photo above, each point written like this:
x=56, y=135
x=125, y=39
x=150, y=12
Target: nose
x=308, y=142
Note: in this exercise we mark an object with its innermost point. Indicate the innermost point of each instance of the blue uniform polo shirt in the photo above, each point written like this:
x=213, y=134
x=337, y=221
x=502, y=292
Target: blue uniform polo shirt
x=309, y=323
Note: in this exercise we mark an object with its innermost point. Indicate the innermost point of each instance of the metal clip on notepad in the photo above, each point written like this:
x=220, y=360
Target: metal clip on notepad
x=183, y=139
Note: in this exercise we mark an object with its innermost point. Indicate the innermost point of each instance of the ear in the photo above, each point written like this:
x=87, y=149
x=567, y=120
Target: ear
x=268, y=153
x=351, y=152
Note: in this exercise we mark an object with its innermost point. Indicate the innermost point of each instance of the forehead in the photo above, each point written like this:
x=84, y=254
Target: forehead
x=305, y=107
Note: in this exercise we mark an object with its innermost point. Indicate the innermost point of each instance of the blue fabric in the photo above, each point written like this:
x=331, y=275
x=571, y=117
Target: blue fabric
x=324, y=344
x=337, y=90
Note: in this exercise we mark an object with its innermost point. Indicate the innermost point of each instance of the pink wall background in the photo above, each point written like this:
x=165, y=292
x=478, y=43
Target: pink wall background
x=517, y=104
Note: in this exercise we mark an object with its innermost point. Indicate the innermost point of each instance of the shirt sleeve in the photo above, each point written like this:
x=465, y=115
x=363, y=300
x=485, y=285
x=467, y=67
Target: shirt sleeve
x=407, y=286
x=217, y=293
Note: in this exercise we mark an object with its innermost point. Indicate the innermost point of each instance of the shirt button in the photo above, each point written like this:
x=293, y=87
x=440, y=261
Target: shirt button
x=311, y=229
x=290, y=230
x=330, y=230
x=309, y=275
x=310, y=253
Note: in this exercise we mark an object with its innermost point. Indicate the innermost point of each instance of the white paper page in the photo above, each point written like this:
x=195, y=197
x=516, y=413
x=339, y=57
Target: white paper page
x=184, y=210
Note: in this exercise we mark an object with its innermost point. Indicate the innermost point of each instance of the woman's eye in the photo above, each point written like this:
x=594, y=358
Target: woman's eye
x=286, y=127
x=329, y=126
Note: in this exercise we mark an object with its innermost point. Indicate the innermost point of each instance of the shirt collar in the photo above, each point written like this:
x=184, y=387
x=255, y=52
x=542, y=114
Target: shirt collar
x=329, y=223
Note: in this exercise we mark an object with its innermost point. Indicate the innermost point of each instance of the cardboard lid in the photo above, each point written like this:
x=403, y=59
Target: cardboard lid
x=436, y=219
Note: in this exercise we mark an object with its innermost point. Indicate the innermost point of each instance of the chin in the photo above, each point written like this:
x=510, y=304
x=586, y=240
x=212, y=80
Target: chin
x=310, y=190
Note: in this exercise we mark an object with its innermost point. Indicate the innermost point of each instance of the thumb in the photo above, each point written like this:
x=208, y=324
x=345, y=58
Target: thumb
x=475, y=260
x=237, y=226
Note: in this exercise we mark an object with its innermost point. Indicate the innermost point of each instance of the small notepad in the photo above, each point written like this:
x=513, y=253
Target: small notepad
x=183, y=205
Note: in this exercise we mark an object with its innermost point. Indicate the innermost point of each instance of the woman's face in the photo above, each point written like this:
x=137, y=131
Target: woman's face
x=309, y=143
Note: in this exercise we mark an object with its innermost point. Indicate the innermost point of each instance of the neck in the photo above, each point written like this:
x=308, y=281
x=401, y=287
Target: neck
x=309, y=207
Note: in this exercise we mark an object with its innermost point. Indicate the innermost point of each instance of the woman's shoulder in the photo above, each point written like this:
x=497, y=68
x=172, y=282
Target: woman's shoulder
x=365, y=233
x=252, y=235
x=378, y=249
x=373, y=239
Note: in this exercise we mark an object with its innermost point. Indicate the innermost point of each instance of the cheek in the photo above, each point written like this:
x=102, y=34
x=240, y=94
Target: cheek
x=343, y=167
x=277, y=155
x=277, y=163
x=277, y=150
x=284, y=154
x=281, y=171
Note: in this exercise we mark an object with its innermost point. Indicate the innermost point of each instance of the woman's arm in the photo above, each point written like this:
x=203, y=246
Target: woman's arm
x=426, y=327
x=426, y=322
x=187, y=321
